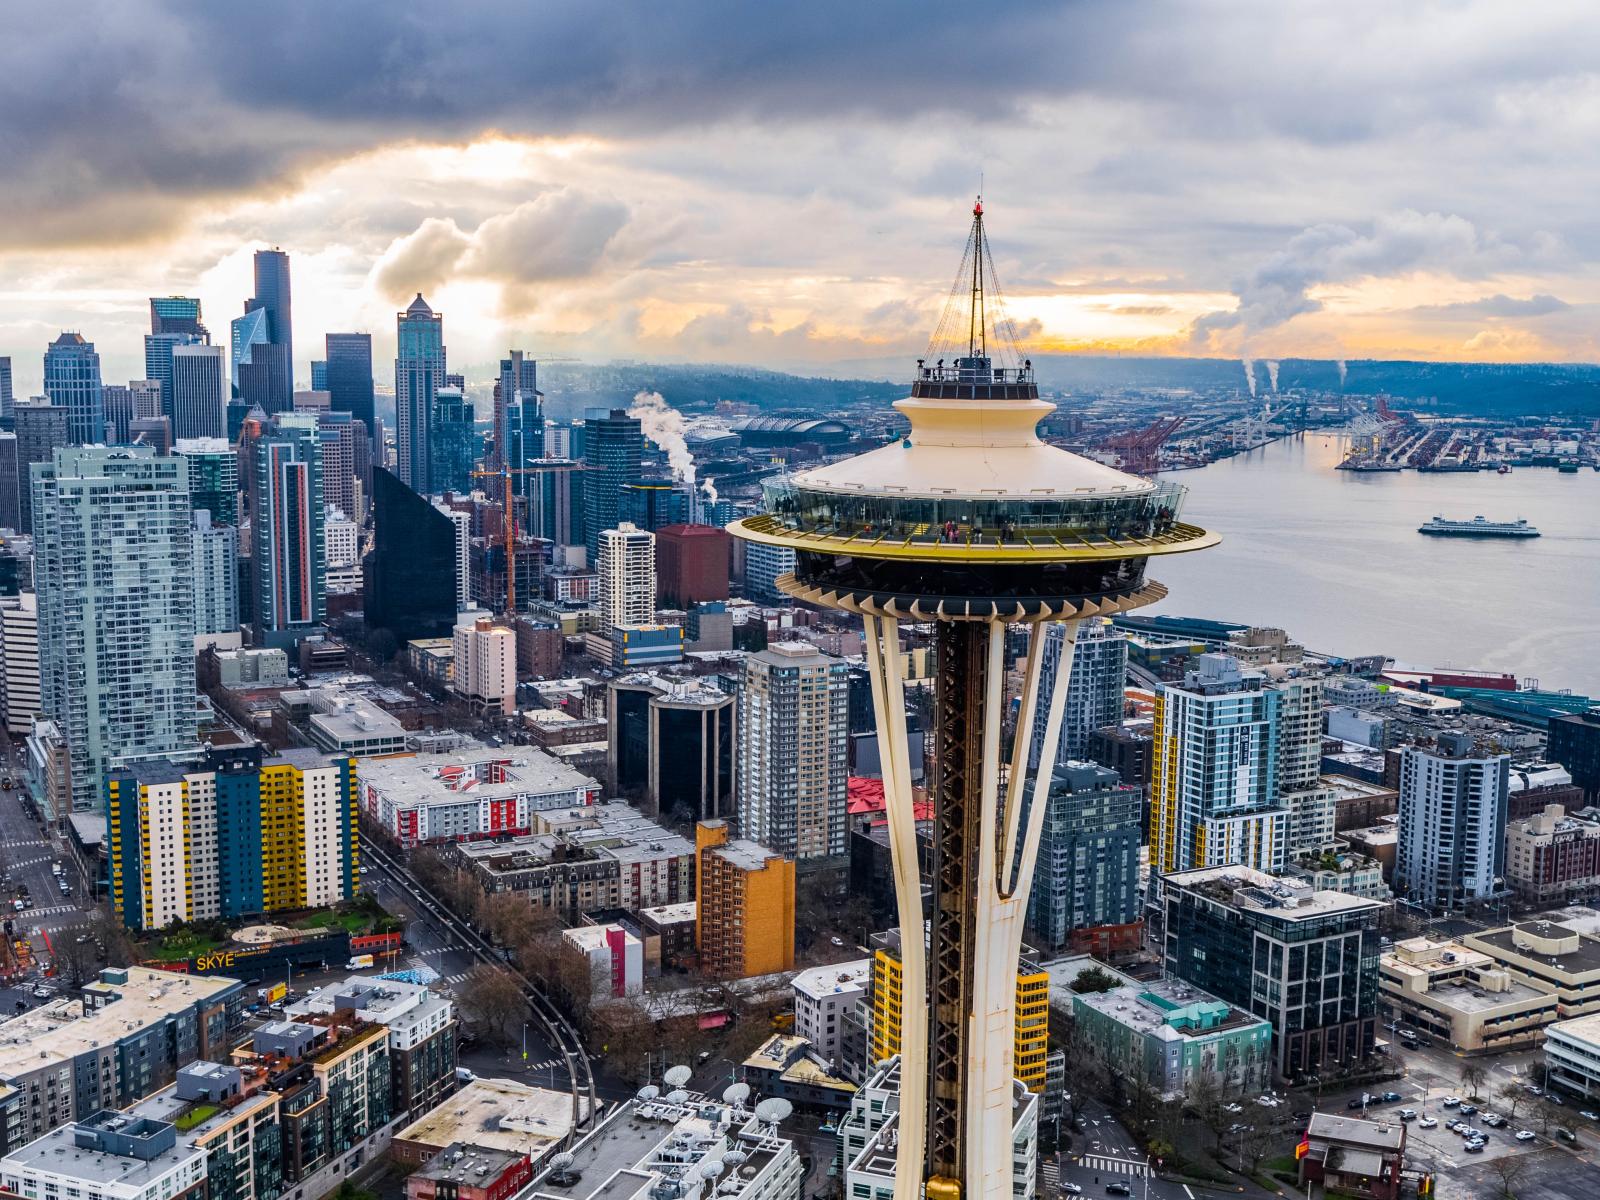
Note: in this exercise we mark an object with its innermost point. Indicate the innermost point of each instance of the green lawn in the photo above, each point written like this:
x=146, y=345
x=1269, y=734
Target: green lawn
x=194, y=1116
x=176, y=947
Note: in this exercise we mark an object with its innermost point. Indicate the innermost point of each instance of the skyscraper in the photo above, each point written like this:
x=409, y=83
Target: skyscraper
x=72, y=381
x=411, y=573
x=793, y=722
x=177, y=314
x=158, y=350
x=319, y=374
x=613, y=449
x=11, y=476
x=7, y=396
x=452, y=442
x=1214, y=785
x=1453, y=808
x=419, y=369
x=287, y=515
x=213, y=477
x=1087, y=875
x=244, y=335
x=518, y=384
x=274, y=364
x=1098, y=675
x=41, y=428
x=114, y=571
x=349, y=386
x=346, y=462
x=216, y=577
x=199, y=407
x=627, y=569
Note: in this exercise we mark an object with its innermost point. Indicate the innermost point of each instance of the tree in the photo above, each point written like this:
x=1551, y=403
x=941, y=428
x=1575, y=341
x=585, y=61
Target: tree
x=624, y=1032
x=1209, y=1103
x=1512, y=1095
x=1254, y=1142
x=1509, y=1168
x=1472, y=1078
x=1093, y=979
x=75, y=954
x=494, y=997
x=1547, y=1114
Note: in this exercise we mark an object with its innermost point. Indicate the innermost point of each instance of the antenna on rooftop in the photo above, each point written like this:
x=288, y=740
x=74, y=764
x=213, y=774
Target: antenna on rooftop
x=676, y=1076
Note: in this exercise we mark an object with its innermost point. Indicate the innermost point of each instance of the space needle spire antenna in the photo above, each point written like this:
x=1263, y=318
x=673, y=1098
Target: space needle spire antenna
x=975, y=524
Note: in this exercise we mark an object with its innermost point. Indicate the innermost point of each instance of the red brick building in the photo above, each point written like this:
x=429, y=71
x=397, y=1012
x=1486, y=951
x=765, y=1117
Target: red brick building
x=465, y=1172
x=693, y=563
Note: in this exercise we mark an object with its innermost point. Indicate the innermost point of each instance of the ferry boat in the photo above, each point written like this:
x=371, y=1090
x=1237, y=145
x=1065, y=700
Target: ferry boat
x=1478, y=527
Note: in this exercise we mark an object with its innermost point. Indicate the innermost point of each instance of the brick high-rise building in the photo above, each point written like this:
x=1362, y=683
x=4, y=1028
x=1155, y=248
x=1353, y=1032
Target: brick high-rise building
x=745, y=922
x=692, y=564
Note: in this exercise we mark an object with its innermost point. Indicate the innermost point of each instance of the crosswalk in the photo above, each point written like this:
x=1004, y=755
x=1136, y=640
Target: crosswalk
x=55, y=910
x=458, y=977
x=1050, y=1172
x=1115, y=1166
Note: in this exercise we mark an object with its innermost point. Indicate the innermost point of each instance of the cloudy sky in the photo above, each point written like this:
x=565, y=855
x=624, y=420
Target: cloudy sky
x=788, y=184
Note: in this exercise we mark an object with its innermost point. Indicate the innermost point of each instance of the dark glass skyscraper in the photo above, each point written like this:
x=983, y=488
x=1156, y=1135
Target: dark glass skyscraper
x=41, y=428
x=349, y=369
x=272, y=294
x=72, y=381
x=613, y=448
x=410, y=574
x=419, y=373
x=452, y=442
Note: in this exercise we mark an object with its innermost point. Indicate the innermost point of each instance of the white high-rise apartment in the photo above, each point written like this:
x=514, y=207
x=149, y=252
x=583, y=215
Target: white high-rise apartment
x=1214, y=777
x=463, y=523
x=341, y=539
x=19, y=645
x=1312, y=807
x=486, y=666
x=1453, y=806
x=114, y=570
x=216, y=580
x=627, y=568
x=793, y=729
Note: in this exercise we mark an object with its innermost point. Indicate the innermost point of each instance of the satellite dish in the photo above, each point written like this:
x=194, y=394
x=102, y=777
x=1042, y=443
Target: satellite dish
x=677, y=1096
x=773, y=1110
x=711, y=1168
x=563, y=1160
x=734, y=1158
x=736, y=1093
x=649, y=1092
x=677, y=1076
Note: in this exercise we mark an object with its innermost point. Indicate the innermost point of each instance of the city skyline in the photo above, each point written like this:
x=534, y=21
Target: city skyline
x=1280, y=187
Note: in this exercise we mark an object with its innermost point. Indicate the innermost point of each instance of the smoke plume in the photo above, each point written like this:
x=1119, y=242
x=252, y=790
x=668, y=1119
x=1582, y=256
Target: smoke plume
x=1272, y=374
x=1250, y=375
x=664, y=426
x=1343, y=370
x=708, y=485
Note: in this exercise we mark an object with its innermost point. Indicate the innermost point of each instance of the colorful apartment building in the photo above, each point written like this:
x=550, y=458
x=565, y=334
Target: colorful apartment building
x=745, y=920
x=229, y=834
x=1031, y=1038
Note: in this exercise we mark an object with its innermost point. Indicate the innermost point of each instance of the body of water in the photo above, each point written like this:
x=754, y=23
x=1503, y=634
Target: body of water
x=1335, y=558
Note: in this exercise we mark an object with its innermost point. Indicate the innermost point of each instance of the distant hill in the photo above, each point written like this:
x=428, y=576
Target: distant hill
x=569, y=389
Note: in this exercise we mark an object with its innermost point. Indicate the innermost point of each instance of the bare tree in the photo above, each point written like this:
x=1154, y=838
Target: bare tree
x=75, y=954
x=493, y=997
x=1207, y=1100
x=1509, y=1168
x=1472, y=1078
x=1512, y=1096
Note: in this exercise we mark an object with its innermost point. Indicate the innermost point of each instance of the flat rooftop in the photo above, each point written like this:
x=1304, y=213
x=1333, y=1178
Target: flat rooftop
x=818, y=982
x=453, y=778
x=1252, y=890
x=1503, y=942
x=58, y=1152
x=672, y=914
x=499, y=1114
x=1386, y=1135
x=1145, y=1007
x=62, y=1030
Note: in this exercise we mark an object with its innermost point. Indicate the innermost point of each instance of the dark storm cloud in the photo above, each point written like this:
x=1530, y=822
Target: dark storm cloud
x=121, y=118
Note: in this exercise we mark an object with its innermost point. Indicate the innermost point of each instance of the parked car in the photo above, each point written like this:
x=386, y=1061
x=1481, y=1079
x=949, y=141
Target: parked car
x=1390, y=1097
x=1589, y=1116
x=1525, y=1135
x=1566, y=1135
x=1474, y=1147
x=1427, y=1123
x=1408, y=1114
x=1358, y=1102
x=1451, y=1101
x=1468, y=1109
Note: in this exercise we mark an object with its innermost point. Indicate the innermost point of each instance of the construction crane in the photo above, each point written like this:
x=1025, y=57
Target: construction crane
x=1139, y=449
x=510, y=532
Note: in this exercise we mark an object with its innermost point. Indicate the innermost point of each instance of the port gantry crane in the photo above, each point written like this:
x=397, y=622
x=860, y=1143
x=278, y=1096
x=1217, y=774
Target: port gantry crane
x=1140, y=449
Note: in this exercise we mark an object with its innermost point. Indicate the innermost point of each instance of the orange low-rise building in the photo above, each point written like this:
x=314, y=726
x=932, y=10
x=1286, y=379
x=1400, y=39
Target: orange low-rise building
x=745, y=921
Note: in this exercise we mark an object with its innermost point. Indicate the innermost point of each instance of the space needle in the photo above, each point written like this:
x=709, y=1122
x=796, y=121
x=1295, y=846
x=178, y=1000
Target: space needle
x=971, y=523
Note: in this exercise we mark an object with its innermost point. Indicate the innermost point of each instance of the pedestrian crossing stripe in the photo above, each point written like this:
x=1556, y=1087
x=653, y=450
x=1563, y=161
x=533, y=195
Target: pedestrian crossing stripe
x=1115, y=1166
x=1050, y=1171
